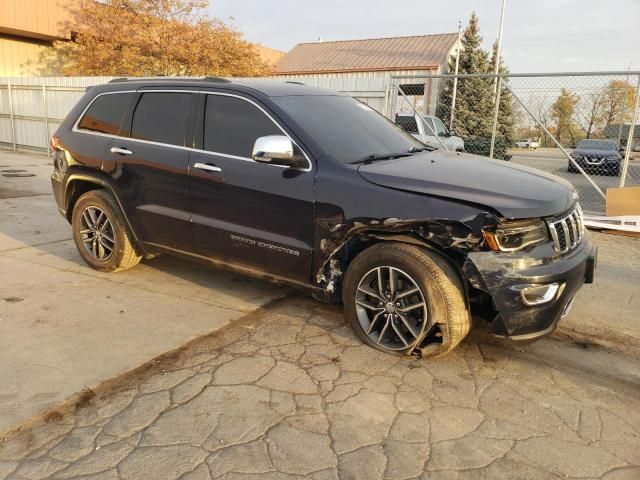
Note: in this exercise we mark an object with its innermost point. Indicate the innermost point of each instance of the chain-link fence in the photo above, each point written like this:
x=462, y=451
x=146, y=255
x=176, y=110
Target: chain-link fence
x=578, y=126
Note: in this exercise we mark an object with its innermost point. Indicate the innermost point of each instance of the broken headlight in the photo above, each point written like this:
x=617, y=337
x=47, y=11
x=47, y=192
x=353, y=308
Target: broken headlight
x=513, y=235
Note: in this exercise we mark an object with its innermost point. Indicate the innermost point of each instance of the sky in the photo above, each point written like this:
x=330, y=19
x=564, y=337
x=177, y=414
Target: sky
x=539, y=35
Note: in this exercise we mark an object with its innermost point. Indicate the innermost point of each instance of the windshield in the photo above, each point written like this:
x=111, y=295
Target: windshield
x=347, y=129
x=440, y=128
x=596, y=145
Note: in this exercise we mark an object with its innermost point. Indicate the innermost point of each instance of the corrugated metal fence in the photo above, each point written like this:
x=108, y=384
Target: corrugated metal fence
x=31, y=108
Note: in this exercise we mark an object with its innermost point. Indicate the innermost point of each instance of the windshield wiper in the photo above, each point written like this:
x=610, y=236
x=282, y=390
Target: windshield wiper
x=383, y=156
x=426, y=148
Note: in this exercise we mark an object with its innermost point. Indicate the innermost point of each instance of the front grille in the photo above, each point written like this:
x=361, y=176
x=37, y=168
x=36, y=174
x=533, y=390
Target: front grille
x=567, y=232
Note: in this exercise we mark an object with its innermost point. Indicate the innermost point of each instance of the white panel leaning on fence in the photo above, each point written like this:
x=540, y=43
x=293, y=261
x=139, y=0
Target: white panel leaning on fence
x=557, y=110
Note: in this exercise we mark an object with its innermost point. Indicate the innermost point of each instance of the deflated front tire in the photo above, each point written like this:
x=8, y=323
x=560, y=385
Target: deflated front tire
x=400, y=299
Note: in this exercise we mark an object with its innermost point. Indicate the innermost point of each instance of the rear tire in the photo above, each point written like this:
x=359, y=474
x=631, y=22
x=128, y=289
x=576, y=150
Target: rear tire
x=435, y=329
x=101, y=233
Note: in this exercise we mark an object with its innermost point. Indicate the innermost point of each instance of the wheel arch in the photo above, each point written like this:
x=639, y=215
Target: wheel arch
x=337, y=266
x=78, y=184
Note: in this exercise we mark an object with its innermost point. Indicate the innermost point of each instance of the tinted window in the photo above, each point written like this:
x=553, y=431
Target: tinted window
x=106, y=113
x=162, y=117
x=232, y=125
x=407, y=123
x=345, y=128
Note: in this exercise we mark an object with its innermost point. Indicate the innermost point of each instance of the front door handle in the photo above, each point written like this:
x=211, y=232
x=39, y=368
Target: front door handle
x=121, y=151
x=207, y=166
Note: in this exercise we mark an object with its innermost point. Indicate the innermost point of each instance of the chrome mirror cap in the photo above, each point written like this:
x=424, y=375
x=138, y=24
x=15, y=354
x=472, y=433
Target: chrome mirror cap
x=273, y=147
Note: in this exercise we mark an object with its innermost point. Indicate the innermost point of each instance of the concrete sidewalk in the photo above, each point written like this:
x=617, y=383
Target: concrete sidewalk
x=65, y=327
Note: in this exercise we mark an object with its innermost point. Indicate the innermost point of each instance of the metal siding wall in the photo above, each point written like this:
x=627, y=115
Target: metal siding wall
x=19, y=57
x=368, y=87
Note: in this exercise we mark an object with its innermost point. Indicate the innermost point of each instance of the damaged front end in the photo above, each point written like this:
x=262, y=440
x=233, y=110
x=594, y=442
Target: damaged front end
x=341, y=241
x=514, y=276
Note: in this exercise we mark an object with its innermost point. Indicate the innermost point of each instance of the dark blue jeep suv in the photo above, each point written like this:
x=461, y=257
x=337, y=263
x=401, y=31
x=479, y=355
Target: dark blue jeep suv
x=315, y=189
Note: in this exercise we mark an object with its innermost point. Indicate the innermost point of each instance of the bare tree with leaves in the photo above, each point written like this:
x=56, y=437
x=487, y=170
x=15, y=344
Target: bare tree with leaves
x=604, y=106
x=562, y=112
x=614, y=96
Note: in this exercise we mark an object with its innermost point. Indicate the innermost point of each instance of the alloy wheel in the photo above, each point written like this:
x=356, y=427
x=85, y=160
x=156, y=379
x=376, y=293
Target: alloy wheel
x=391, y=308
x=96, y=232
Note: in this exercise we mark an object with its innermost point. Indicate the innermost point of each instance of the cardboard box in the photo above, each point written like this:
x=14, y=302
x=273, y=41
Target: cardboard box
x=623, y=201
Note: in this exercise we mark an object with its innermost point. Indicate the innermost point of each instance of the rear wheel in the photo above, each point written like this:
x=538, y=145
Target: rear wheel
x=399, y=298
x=101, y=234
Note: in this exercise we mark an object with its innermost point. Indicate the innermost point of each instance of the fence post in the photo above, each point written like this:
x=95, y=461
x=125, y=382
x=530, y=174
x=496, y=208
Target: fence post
x=627, y=152
x=11, y=119
x=45, y=114
x=496, y=110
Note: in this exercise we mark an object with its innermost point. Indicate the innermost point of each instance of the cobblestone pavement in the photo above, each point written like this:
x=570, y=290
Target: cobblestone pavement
x=291, y=393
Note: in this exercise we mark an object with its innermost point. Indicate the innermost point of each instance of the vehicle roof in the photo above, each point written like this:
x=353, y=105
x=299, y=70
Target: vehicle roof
x=269, y=88
x=595, y=140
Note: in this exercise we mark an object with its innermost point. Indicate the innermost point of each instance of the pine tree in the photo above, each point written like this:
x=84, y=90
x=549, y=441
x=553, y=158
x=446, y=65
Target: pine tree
x=506, y=120
x=474, y=98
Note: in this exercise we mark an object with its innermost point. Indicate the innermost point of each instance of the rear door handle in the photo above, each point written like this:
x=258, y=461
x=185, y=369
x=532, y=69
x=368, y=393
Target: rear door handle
x=121, y=151
x=207, y=166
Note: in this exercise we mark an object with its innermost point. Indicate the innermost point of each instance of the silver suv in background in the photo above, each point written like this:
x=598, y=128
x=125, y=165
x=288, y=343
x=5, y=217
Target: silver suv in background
x=424, y=128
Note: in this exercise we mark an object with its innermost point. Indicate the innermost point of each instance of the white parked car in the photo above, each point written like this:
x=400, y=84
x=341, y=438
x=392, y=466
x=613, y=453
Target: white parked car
x=528, y=143
x=424, y=128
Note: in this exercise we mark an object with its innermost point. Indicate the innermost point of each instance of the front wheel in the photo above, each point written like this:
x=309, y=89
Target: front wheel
x=399, y=298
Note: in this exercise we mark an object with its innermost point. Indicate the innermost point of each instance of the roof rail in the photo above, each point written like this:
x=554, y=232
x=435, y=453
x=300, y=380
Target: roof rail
x=201, y=79
x=294, y=82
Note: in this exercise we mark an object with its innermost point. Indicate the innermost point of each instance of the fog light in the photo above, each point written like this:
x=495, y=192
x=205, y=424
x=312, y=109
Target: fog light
x=537, y=294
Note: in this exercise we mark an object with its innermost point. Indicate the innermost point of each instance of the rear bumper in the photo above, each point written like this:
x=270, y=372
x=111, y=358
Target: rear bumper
x=504, y=276
x=57, y=185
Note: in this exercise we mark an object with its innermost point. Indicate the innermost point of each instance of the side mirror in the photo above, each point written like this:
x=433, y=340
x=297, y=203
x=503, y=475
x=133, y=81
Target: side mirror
x=276, y=149
x=452, y=133
x=444, y=134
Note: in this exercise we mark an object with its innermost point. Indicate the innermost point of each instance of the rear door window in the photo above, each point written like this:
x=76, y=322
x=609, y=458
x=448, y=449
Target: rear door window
x=162, y=117
x=232, y=125
x=106, y=112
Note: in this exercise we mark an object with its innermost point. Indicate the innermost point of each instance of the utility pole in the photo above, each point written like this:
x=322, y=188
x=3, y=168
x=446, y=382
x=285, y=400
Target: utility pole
x=455, y=79
x=624, y=105
x=497, y=62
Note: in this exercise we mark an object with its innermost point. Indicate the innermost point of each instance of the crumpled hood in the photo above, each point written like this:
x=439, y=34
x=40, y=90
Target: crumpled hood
x=513, y=190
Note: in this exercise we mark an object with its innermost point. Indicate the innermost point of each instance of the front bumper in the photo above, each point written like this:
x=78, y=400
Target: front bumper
x=503, y=275
x=606, y=166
